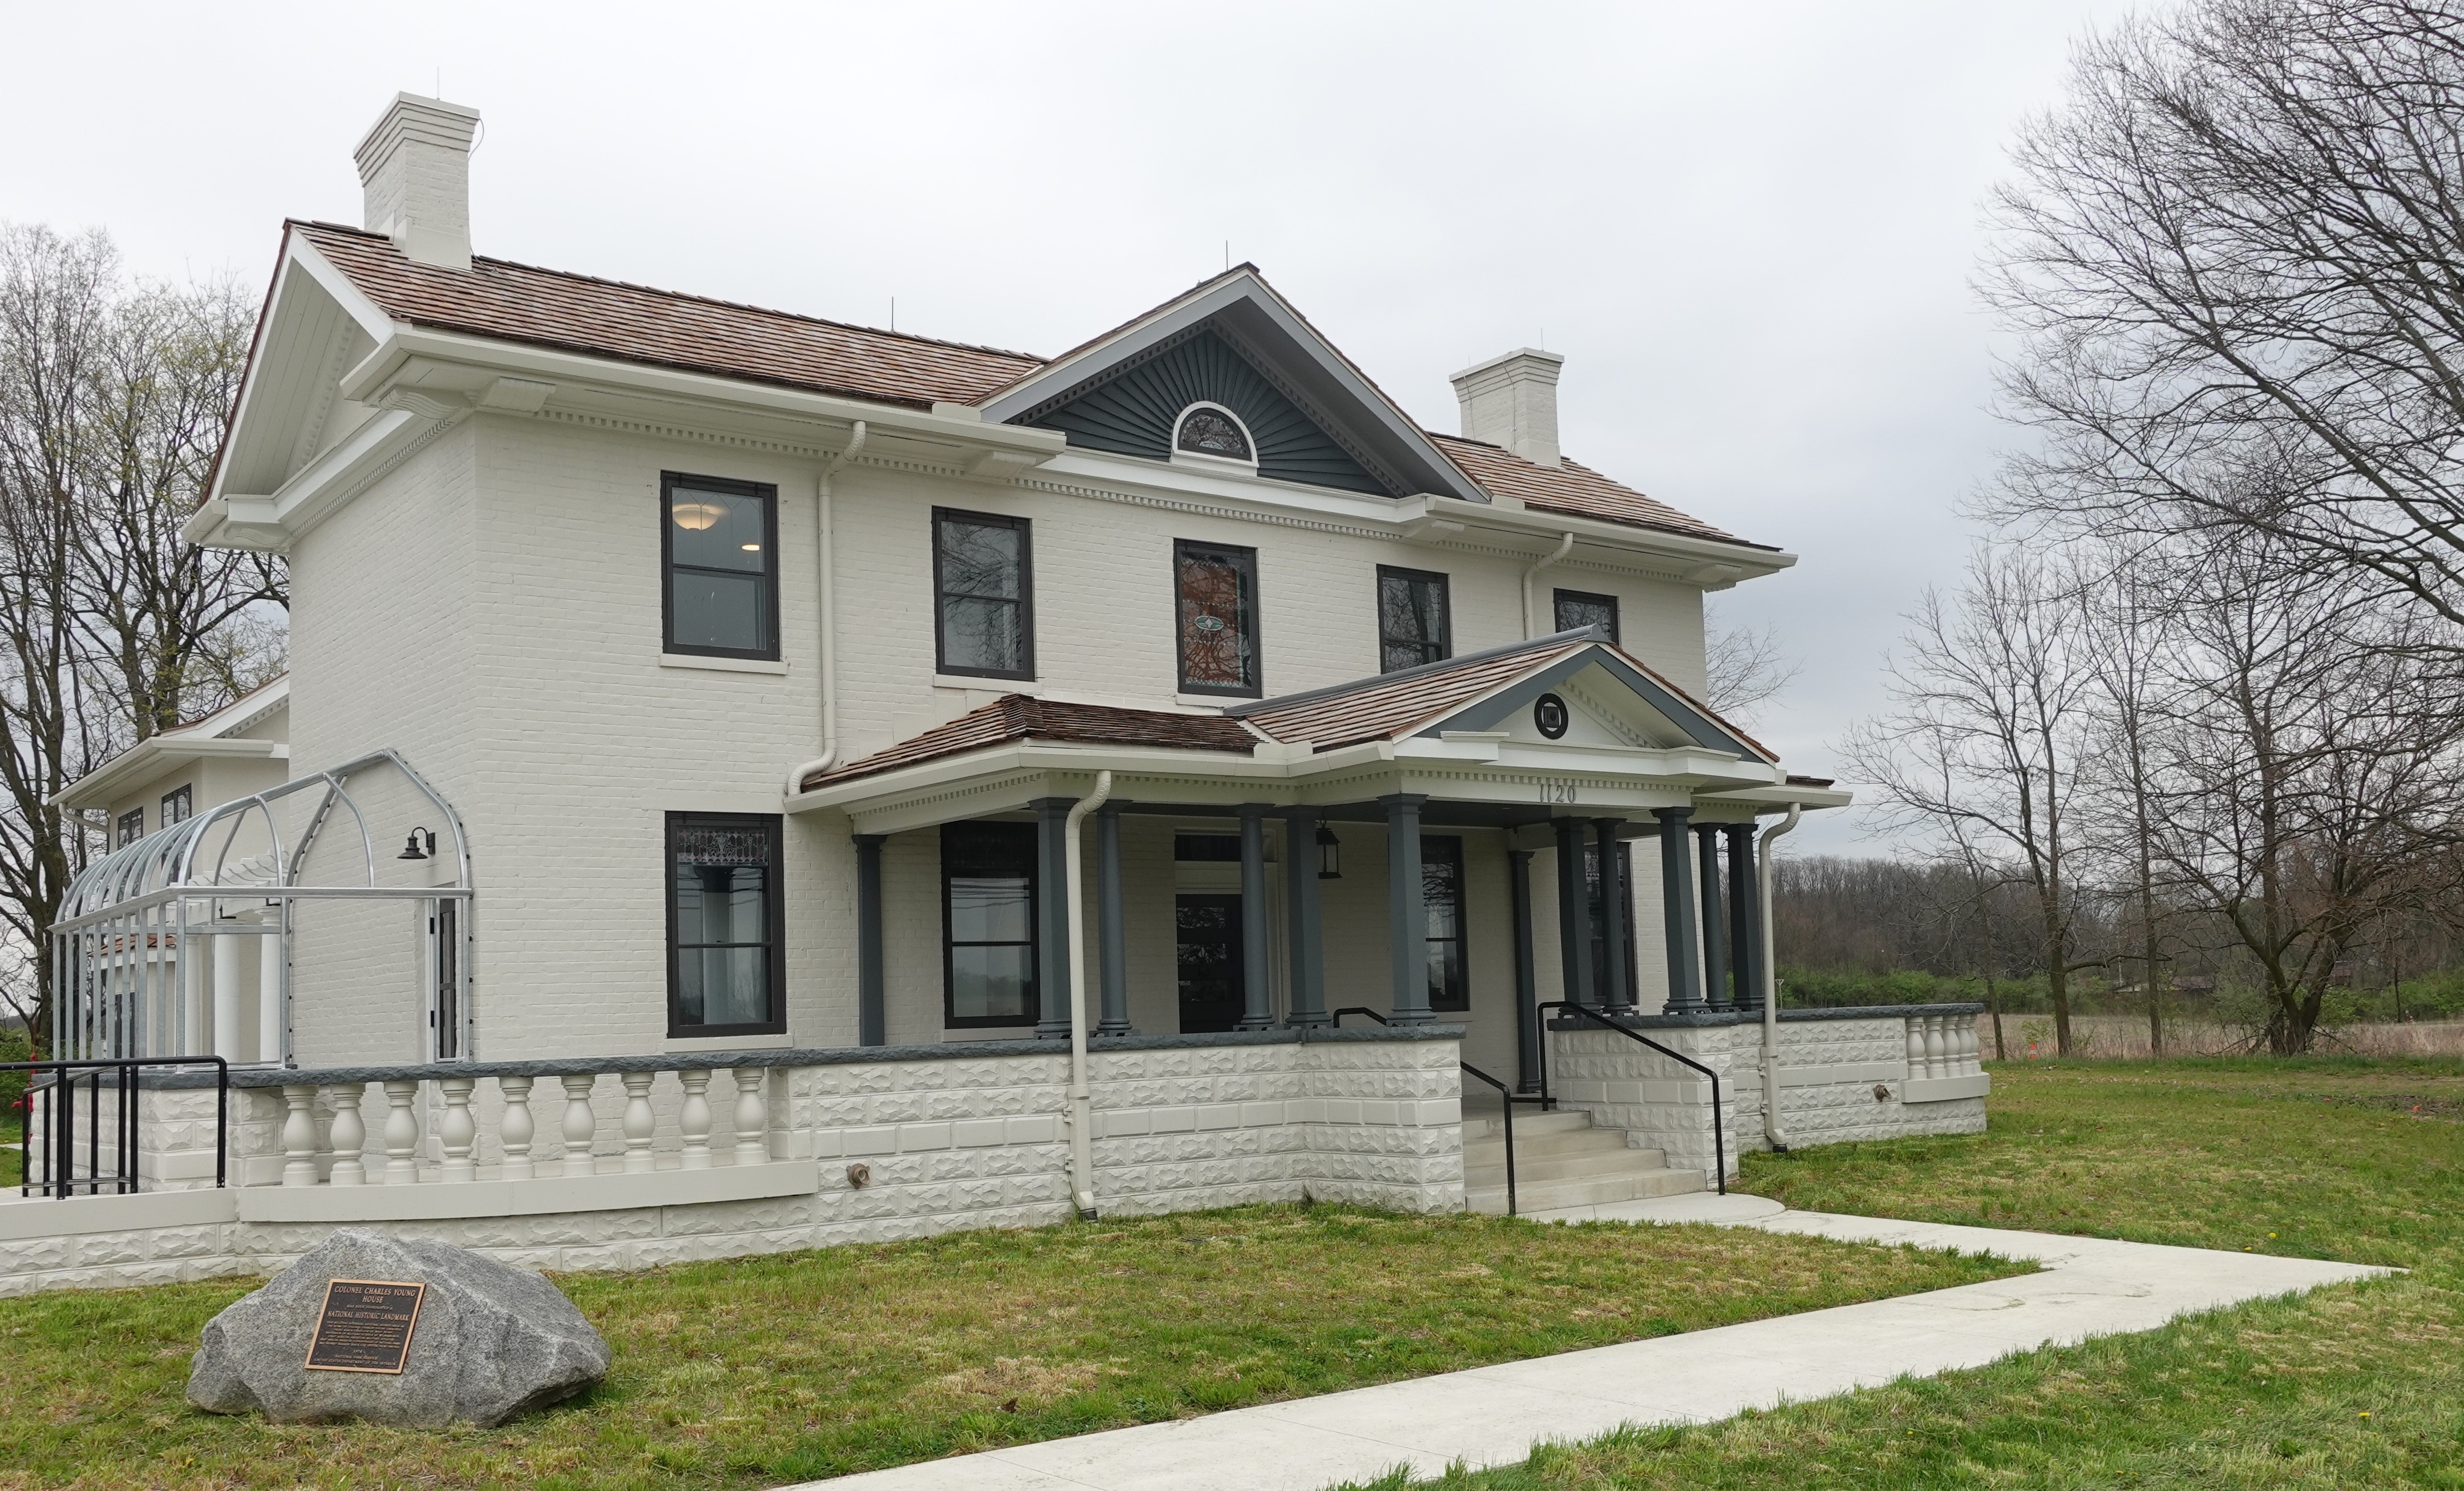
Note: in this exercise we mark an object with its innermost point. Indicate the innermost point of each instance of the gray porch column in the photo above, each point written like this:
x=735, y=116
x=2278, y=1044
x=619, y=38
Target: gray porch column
x=1715, y=930
x=1745, y=918
x=1257, y=1009
x=1110, y=934
x=1407, y=910
x=1676, y=893
x=1613, y=898
x=1053, y=979
x=871, y=1011
x=1574, y=913
x=1527, y=976
x=1303, y=929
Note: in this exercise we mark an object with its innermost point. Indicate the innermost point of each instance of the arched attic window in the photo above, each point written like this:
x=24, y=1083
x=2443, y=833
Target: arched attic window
x=1212, y=430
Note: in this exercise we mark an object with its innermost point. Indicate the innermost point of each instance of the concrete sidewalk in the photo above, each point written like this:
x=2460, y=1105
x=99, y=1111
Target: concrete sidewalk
x=1494, y=1414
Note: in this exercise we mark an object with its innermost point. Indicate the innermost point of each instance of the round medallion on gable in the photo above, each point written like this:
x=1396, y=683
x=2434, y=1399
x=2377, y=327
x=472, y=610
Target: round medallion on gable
x=1548, y=716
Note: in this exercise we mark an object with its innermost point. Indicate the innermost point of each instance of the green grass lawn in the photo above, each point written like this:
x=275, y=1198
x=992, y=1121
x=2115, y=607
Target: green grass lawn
x=765, y=1371
x=2356, y=1386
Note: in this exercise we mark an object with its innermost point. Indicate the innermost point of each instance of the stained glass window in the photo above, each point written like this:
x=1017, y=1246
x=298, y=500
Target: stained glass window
x=1216, y=599
x=1212, y=432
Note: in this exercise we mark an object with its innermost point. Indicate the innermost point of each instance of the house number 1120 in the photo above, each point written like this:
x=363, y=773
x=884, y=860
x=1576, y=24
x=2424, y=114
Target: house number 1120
x=1556, y=792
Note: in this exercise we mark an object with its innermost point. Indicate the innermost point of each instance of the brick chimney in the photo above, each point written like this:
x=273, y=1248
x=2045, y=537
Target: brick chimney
x=415, y=166
x=1513, y=401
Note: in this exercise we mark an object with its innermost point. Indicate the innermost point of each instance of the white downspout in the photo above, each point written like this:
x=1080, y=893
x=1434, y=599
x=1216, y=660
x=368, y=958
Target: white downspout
x=1082, y=1098
x=829, y=627
x=1772, y=1130
x=1565, y=546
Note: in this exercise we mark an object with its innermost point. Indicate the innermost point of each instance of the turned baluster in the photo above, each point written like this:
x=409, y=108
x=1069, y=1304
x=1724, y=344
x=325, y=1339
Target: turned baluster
x=515, y=1129
x=752, y=1118
x=402, y=1134
x=457, y=1132
x=580, y=1124
x=350, y=1135
x=1969, y=1050
x=694, y=1119
x=1916, y=1047
x=299, y=1136
x=1933, y=1047
x=640, y=1123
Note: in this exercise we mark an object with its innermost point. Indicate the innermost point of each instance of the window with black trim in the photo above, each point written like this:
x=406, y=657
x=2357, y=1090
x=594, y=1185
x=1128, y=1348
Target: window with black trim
x=988, y=903
x=983, y=595
x=1442, y=892
x=1579, y=609
x=1215, y=600
x=132, y=828
x=1413, y=624
x=726, y=966
x=175, y=805
x=717, y=544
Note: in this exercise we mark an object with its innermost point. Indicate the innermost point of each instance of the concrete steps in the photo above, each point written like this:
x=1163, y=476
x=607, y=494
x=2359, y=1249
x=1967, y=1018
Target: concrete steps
x=1560, y=1160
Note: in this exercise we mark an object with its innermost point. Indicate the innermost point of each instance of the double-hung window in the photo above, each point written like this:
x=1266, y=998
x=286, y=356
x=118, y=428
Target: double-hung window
x=726, y=974
x=1215, y=609
x=1579, y=609
x=131, y=828
x=175, y=805
x=1413, y=627
x=718, y=542
x=1442, y=892
x=983, y=595
x=988, y=903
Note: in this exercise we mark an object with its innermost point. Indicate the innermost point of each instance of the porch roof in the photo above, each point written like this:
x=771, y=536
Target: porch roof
x=1460, y=731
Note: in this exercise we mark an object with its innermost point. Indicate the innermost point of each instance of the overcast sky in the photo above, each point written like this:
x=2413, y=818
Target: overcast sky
x=1750, y=231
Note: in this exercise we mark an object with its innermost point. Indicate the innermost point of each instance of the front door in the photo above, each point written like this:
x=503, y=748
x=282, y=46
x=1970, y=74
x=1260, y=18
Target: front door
x=1211, y=979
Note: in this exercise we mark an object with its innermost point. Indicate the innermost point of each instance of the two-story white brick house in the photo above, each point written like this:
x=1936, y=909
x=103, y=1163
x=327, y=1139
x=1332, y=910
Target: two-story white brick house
x=683, y=687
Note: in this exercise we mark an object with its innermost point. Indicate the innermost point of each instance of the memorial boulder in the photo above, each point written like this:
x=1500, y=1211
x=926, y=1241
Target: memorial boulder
x=395, y=1331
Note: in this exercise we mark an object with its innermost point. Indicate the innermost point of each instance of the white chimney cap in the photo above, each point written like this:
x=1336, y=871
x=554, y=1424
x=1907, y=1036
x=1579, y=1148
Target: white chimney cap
x=415, y=170
x=1512, y=401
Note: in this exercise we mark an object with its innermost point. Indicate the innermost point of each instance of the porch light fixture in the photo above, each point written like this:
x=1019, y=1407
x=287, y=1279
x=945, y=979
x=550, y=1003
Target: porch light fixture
x=697, y=516
x=410, y=849
x=1330, y=855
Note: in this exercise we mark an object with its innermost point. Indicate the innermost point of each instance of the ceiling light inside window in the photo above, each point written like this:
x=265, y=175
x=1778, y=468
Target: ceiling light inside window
x=697, y=516
x=753, y=549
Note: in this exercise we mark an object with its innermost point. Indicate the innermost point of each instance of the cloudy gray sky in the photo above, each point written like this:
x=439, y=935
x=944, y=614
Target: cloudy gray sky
x=1750, y=229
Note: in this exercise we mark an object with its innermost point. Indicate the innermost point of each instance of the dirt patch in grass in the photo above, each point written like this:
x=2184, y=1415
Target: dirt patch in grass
x=764, y=1371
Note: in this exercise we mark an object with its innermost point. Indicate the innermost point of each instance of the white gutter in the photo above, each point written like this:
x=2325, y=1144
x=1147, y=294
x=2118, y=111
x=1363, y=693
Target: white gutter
x=1081, y=1099
x=1565, y=546
x=828, y=629
x=1772, y=1130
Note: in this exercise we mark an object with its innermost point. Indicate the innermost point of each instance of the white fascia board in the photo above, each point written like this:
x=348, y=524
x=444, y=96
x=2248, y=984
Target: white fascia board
x=299, y=258
x=150, y=758
x=274, y=519
x=873, y=794
x=346, y=294
x=1154, y=478
x=1782, y=795
x=1539, y=532
x=429, y=353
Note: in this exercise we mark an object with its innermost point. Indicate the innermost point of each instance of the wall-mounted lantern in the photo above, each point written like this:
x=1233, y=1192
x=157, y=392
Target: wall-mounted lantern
x=410, y=849
x=1330, y=855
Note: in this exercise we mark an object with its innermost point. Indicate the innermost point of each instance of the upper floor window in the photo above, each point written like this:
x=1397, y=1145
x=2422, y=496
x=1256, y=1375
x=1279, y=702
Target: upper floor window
x=718, y=541
x=131, y=828
x=1579, y=609
x=726, y=972
x=1215, y=601
x=1210, y=430
x=175, y=805
x=1441, y=893
x=983, y=596
x=988, y=900
x=1412, y=622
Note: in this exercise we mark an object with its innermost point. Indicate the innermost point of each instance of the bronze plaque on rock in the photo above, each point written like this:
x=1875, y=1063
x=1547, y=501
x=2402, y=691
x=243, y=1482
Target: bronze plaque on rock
x=365, y=1327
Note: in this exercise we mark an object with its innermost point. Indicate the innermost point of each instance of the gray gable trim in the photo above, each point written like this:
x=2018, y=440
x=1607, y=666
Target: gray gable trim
x=1313, y=374
x=1537, y=644
x=1699, y=727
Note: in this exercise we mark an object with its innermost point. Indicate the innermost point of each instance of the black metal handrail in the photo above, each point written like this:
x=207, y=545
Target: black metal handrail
x=1335, y=1017
x=52, y=1106
x=1719, y=1142
x=1501, y=1092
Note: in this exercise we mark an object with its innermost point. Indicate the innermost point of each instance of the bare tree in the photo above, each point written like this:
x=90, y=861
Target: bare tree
x=2306, y=765
x=2238, y=246
x=1742, y=668
x=112, y=403
x=1982, y=745
x=2124, y=635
